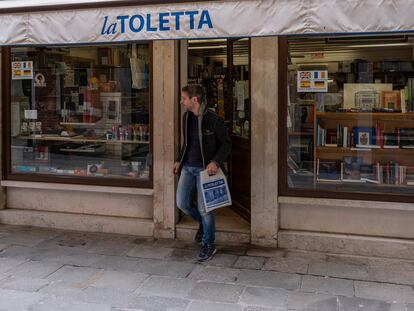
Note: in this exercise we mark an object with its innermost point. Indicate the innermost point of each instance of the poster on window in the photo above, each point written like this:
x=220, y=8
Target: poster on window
x=22, y=70
x=313, y=81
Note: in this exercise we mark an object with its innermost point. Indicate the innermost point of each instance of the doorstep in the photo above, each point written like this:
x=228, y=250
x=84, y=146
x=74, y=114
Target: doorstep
x=230, y=228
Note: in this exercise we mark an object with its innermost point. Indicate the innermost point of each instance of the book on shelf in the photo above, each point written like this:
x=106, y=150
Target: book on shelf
x=391, y=140
x=366, y=147
x=328, y=170
x=406, y=138
x=351, y=171
x=364, y=136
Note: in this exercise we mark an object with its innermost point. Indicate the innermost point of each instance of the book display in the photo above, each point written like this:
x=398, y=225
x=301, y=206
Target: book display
x=362, y=128
x=86, y=113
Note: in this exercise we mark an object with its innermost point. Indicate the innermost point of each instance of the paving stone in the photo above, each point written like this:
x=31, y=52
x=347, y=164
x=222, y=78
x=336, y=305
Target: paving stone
x=239, y=250
x=20, y=252
x=165, y=268
x=259, y=308
x=177, y=244
x=348, y=260
x=144, y=241
x=155, y=303
x=385, y=292
x=212, y=306
x=68, y=257
x=326, y=285
x=151, y=252
x=34, y=269
x=54, y=304
x=287, y=264
x=269, y=279
x=265, y=296
x=339, y=270
x=75, y=241
x=117, y=263
x=214, y=274
x=311, y=302
x=3, y=246
x=107, y=296
x=410, y=307
x=11, y=300
x=62, y=289
x=117, y=246
x=121, y=280
x=23, y=283
x=183, y=255
x=222, y=260
x=28, y=238
x=249, y=262
x=216, y=292
x=359, y=304
x=166, y=286
x=76, y=275
x=404, y=277
x=7, y=264
x=265, y=252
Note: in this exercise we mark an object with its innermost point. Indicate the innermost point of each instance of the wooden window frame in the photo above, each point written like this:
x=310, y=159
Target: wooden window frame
x=65, y=179
x=283, y=187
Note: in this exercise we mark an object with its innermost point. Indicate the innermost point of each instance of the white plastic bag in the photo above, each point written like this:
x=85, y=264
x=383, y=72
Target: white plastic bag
x=215, y=190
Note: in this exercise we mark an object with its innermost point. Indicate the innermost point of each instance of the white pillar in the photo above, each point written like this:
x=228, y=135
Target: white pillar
x=264, y=148
x=165, y=110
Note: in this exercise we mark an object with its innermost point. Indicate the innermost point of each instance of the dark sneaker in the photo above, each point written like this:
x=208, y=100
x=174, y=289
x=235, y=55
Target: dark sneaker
x=199, y=235
x=206, y=252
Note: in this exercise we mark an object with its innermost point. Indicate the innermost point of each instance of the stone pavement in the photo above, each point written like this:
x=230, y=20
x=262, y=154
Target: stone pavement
x=53, y=270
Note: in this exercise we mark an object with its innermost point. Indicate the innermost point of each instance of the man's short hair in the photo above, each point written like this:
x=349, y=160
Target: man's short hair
x=195, y=90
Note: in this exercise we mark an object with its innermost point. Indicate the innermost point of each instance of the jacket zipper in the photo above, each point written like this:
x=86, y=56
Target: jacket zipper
x=200, y=135
x=185, y=139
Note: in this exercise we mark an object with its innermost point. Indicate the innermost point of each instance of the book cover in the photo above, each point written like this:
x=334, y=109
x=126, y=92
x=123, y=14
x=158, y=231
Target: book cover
x=328, y=170
x=352, y=168
x=364, y=136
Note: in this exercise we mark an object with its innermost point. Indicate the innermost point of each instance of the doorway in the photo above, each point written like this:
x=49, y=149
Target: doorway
x=222, y=66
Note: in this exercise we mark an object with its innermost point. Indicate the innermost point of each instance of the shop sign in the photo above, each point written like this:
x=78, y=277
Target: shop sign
x=164, y=21
x=312, y=81
x=22, y=70
x=209, y=19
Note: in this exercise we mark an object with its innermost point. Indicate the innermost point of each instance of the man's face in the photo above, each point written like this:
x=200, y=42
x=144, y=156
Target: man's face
x=189, y=103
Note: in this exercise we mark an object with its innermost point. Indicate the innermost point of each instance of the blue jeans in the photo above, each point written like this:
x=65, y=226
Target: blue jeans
x=188, y=184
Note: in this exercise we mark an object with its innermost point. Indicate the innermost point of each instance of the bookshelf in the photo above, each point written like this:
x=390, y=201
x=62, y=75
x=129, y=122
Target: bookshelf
x=388, y=161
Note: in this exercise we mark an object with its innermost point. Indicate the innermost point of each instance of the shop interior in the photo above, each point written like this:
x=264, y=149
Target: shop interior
x=81, y=112
x=350, y=124
x=222, y=67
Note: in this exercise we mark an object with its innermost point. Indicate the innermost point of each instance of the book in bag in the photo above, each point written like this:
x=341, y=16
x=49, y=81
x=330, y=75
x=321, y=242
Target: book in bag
x=215, y=190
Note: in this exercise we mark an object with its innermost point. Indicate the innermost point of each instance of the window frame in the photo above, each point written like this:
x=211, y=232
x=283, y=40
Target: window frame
x=283, y=187
x=7, y=174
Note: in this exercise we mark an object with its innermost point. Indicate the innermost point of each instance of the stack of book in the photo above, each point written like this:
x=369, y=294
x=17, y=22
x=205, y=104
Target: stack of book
x=353, y=170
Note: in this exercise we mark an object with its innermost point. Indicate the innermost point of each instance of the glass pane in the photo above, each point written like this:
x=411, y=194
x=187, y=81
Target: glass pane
x=351, y=114
x=241, y=99
x=81, y=111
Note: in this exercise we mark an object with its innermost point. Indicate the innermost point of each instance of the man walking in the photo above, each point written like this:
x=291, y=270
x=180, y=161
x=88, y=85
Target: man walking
x=206, y=146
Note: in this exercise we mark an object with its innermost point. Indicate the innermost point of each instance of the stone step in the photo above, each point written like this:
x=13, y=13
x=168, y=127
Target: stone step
x=230, y=229
x=78, y=222
x=346, y=244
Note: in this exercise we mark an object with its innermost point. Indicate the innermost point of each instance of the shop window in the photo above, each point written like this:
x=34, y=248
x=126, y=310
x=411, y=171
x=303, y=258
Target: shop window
x=81, y=112
x=350, y=117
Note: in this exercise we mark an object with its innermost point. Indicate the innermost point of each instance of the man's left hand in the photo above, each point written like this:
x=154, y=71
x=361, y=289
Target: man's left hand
x=212, y=168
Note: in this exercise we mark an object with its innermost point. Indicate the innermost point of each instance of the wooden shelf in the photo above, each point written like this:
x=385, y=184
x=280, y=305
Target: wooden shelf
x=80, y=139
x=300, y=134
x=362, y=150
x=366, y=115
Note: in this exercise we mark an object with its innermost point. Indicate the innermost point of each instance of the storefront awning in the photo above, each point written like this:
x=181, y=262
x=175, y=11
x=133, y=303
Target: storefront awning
x=192, y=20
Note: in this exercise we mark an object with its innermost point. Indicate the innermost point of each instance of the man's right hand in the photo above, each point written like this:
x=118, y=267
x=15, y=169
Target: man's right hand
x=176, y=168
